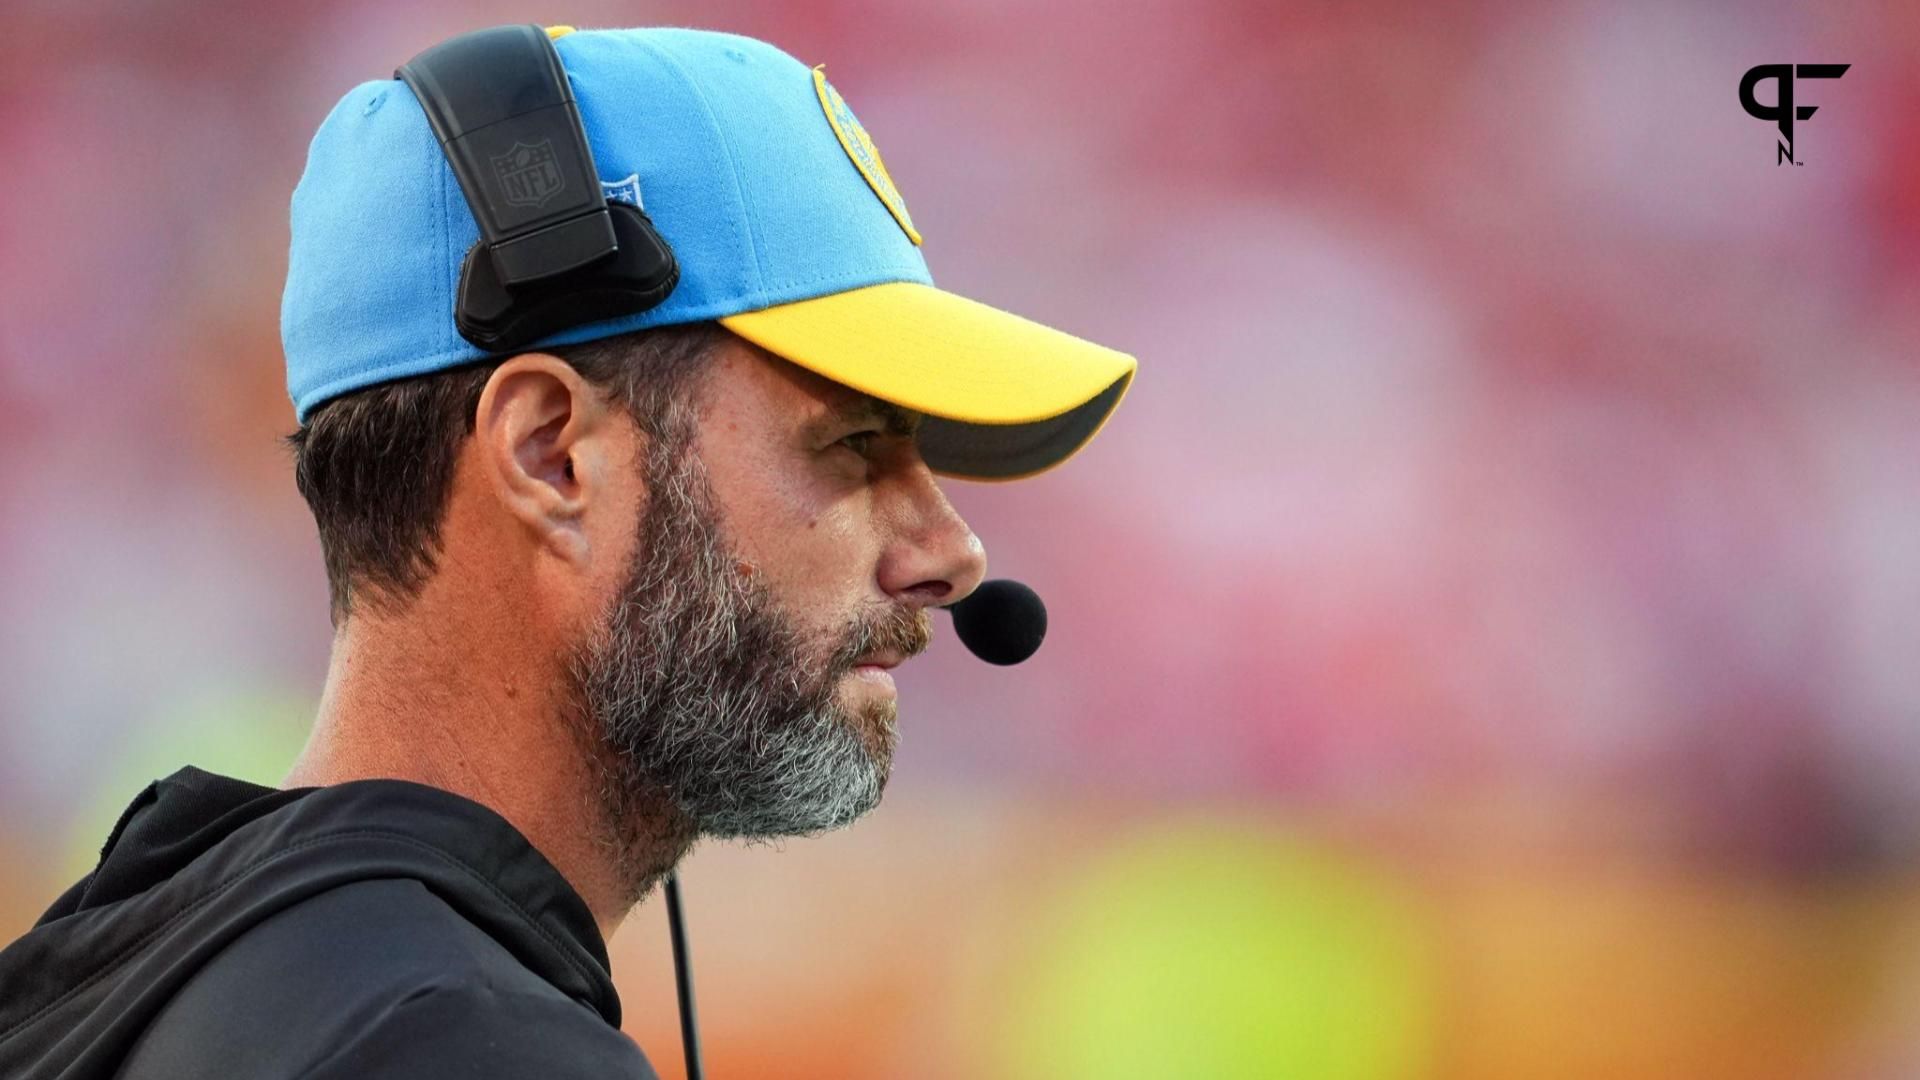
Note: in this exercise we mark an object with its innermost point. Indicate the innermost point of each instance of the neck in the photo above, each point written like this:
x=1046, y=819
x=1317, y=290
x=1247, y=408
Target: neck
x=497, y=726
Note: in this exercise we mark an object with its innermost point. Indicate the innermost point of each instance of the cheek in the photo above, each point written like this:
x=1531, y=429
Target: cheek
x=814, y=549
x=819, y=565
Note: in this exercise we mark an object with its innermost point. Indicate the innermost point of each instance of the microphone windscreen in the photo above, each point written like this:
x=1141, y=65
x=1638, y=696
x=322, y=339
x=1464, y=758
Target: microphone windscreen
x=1003, y=622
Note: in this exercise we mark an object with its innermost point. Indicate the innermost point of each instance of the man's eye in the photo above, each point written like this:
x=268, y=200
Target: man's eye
x=860, y=442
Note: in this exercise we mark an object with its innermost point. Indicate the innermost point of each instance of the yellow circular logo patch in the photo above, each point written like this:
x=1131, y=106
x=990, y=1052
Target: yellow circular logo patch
x=859, y=147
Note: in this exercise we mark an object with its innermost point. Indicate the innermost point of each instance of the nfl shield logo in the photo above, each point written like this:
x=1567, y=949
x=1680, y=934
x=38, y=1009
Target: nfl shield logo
x=528, y=175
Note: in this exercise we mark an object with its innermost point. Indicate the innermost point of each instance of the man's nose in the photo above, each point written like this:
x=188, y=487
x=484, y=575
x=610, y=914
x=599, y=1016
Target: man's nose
x=933, y=559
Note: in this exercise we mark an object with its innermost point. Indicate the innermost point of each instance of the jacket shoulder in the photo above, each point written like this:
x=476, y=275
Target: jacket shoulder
x=375, y=978
x=468, y=1029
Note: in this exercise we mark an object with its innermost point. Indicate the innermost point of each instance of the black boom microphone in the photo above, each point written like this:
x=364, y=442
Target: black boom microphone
x=1003, y=622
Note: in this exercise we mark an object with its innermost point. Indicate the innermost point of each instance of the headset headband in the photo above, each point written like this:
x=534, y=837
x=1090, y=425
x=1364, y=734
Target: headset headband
x=553, y=253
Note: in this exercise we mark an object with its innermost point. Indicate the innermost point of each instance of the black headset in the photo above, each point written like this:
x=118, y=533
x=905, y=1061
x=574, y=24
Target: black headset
x=553, y=252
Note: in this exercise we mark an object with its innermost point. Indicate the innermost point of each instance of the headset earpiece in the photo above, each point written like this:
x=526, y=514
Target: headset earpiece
x=553, y=253
x=636, y=276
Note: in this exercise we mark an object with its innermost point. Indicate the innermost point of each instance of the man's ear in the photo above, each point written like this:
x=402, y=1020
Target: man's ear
x=546, y=447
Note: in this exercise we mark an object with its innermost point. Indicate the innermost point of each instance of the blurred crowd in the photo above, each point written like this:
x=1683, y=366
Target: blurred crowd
x=1485, y=644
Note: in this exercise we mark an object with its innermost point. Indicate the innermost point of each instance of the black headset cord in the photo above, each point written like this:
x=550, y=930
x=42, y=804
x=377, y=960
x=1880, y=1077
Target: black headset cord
x=683, y=979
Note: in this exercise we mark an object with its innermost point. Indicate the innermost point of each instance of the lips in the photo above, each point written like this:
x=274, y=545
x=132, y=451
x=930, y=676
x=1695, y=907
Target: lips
x=885, y=640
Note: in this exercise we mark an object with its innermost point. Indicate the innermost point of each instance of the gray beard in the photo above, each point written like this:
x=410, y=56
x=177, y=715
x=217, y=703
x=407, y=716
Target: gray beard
x=701, y=701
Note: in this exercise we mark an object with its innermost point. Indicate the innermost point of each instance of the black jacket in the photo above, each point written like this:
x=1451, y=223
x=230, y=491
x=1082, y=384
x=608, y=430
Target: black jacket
x=372, y=929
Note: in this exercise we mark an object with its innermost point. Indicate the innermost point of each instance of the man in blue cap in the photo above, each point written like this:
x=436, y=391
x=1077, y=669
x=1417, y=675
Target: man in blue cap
x=603, y=582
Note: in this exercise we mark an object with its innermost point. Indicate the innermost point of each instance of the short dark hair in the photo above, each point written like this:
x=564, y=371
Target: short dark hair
x=376, y=465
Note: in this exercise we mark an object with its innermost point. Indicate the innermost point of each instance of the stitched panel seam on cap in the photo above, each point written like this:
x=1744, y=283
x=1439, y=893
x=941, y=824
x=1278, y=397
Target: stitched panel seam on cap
x=726, y=148
x=447, y=263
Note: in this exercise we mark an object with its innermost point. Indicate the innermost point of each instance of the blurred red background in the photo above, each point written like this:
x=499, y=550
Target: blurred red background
x=1484, y=644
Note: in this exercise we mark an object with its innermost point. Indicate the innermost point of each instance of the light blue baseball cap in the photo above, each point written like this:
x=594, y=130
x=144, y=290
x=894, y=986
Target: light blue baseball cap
x=787, y=226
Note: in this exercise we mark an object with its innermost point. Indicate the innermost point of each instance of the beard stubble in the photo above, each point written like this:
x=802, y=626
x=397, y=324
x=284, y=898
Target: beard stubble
x=706, y=711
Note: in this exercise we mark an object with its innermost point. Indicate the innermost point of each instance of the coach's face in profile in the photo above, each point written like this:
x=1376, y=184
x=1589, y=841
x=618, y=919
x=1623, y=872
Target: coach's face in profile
x=728, y=590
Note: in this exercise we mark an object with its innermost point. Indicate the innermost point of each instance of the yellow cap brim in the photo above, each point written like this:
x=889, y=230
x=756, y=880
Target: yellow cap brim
x=1004, y=397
